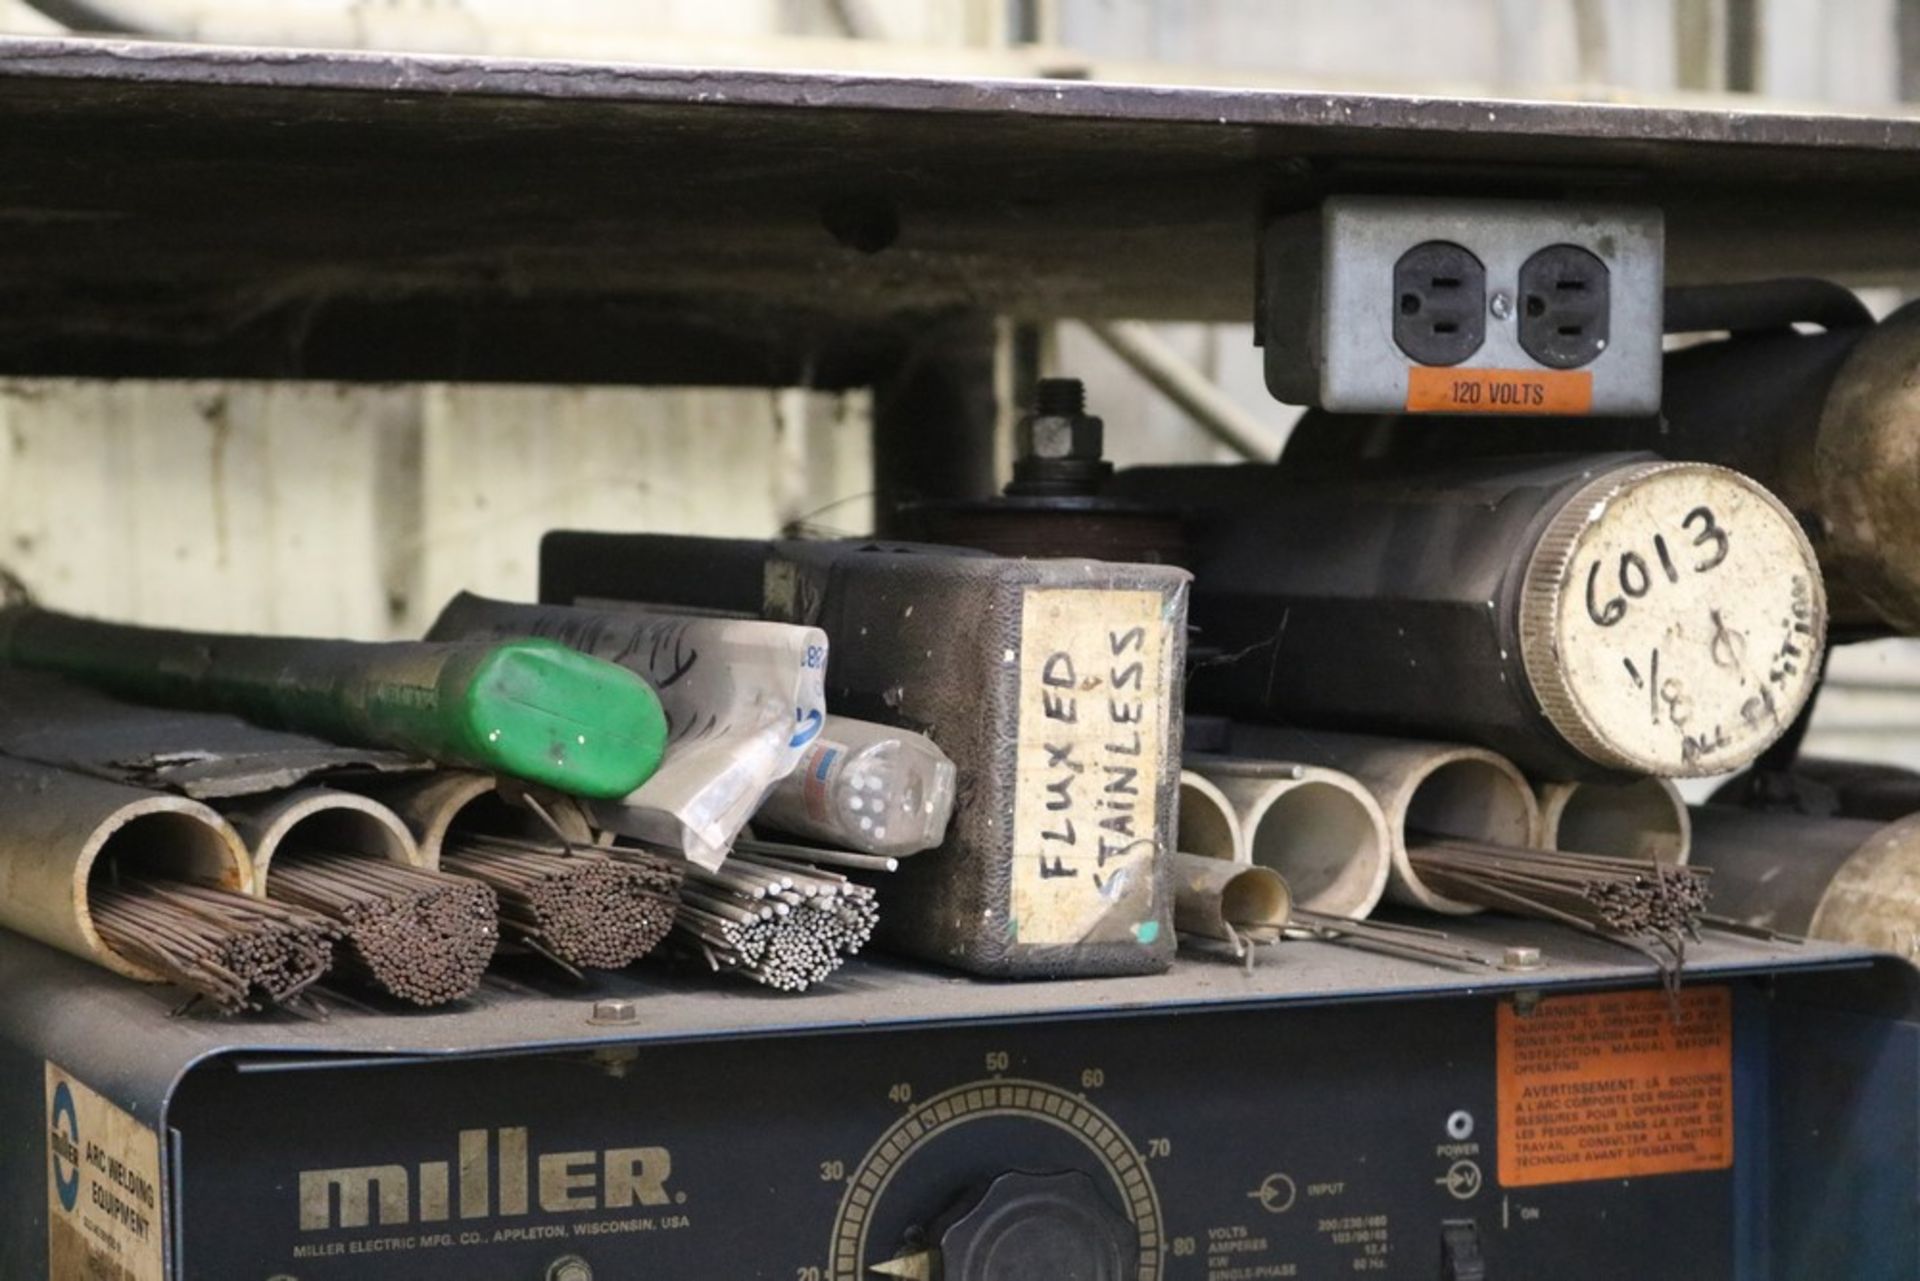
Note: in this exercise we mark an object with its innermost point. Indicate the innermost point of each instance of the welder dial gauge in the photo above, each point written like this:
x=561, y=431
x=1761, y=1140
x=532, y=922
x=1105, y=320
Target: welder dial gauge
x=1672, y=620
x=1048, y=1173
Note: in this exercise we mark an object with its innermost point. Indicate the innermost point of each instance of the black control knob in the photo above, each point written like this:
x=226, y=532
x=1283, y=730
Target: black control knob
x=1038, y=1227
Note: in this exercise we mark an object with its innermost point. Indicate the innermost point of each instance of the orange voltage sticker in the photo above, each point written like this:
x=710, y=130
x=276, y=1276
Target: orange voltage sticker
x=1612, y=1086
x=1498, y=391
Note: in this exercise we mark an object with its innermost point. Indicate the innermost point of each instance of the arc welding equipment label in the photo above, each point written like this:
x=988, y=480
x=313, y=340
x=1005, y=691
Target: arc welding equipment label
x=1092, y=728
x=1614, y=1086
x=103, y=1188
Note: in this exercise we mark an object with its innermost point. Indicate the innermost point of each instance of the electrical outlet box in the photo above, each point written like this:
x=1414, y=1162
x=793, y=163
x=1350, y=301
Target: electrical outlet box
x=1383, y=304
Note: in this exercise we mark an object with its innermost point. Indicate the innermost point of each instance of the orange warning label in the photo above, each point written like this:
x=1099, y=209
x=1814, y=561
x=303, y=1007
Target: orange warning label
x=1614, y=1086
x=1498, y=391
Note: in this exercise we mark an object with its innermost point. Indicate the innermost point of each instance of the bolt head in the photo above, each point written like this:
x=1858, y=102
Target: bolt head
x=1521, y=958
x=1500, y=304
x=615, y=1010
x=1057, y=436
x=569, y=1267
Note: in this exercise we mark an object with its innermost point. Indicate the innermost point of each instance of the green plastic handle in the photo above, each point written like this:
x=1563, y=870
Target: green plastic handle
x=533, y=709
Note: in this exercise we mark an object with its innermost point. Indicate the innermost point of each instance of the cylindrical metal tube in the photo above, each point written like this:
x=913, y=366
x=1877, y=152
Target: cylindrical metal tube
x=1421, y=788
x=1209, y=822
x=1646, y=818
x=1320, y=829
x=434, y=806
x=1847, y=880
x=1586, y=617
x=1861, y=789
x=323, y=819
x=55, y=827
x=1214, y=898
x=1825, y=421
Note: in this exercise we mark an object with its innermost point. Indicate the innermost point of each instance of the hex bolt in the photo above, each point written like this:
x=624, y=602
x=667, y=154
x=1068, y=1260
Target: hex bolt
x=614, y=1010
x=1062, y=444
x=1521, y=958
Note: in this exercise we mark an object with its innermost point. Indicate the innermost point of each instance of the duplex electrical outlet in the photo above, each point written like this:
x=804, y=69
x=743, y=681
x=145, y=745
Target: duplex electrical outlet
x=1565, y=300
x=1378, y=304
x=1440, y=312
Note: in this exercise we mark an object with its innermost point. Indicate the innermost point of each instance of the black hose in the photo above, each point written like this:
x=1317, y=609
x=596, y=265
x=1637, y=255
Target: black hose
x=1764, y=304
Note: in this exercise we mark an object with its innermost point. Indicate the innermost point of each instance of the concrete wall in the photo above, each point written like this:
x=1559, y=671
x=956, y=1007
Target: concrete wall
x=357, y=511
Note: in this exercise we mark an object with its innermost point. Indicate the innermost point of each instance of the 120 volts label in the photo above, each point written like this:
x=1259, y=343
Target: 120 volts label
x=1615, y=1086
x=1432, y=390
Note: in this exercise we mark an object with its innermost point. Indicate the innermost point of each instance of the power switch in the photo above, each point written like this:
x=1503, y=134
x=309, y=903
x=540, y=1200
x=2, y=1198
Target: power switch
x=1460, y=1257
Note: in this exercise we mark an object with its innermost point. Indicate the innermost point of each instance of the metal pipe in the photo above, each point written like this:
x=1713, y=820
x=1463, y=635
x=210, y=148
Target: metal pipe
x=1846, y=880
x=1209, y=822
x=1216, y=413
x=1825, y=421
x=1646, y=818
x=56, y=827
x=320, y=818
x=1752, y=305
x=1217, y=899
x=1427, y=788
x=1521, y=605
x=1320, y=829
x=436, y=805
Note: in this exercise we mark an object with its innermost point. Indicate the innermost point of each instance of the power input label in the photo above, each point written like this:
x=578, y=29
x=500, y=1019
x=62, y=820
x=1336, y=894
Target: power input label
x=1433, y=390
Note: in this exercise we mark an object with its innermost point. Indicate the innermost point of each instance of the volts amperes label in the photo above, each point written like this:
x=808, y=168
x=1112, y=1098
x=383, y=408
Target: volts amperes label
x=103, y=1188
x=1093, y=718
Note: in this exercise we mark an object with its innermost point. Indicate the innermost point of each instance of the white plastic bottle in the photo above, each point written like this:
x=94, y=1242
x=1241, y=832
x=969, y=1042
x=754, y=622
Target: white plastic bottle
x=865, y=787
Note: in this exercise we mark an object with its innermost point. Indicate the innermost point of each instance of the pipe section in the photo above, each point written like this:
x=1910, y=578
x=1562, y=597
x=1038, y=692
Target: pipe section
x=56, y=827
x=1216, y=899
x=433, y=806
x=1646, y=818
x=1318, y=828
x=1436, y=788
x=1209, y=823
x=320, y=818
x=1846, y=880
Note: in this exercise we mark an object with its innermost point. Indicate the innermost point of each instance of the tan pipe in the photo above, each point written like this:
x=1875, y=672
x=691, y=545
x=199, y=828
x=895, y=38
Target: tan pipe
x=1445, y=788
x=1844, y=879
x=55, y=826
x=432, y=806
x=1209, y=824
x=1646, y=818
x=320, y=818
x=1318, y=828
x=1214, y=898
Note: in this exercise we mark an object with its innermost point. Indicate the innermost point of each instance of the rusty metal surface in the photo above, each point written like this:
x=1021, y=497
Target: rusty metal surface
x=180, y=209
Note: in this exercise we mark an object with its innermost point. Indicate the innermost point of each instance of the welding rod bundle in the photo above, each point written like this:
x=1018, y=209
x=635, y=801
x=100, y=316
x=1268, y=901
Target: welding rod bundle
x=578, y=906
x=418, y=935
x=774, y=915
x=153, y=887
